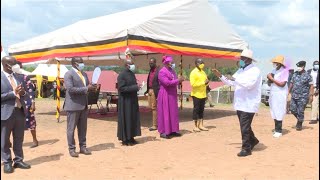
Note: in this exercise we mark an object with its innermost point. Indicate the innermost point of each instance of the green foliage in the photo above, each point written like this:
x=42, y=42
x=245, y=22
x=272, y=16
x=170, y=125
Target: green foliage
x=29, y=68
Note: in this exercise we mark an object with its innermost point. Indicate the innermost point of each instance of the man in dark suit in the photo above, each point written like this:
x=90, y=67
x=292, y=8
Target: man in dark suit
x=152, y=91
x=77, y=86
x=12, y=115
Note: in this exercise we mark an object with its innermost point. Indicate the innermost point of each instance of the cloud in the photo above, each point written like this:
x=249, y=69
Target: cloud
x=255, y=32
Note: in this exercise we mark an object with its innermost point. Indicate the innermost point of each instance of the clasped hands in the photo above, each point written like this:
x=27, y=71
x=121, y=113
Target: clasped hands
x=19, y=90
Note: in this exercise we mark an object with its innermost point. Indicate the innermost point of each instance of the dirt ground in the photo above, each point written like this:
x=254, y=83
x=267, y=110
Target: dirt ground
x=204, y=155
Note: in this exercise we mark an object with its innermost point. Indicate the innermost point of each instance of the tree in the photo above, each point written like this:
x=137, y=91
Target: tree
x=29, y=68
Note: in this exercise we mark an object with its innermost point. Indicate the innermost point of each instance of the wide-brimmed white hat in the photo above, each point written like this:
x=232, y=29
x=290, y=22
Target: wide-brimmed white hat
x=247, y=53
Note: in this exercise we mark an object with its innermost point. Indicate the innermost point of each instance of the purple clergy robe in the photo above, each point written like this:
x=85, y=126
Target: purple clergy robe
x=167, y=107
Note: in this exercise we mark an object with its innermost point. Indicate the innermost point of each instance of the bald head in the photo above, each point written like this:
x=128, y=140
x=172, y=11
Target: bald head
x=152, y=62
x=128, y=62
x=199, y=62
x=8, y=62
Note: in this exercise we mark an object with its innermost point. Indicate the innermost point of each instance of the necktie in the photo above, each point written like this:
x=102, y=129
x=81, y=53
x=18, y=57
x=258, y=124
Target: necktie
x=13, y=84
x=82, y=78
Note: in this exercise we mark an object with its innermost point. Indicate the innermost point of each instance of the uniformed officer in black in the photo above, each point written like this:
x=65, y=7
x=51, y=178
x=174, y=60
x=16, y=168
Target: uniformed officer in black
x=301, y=88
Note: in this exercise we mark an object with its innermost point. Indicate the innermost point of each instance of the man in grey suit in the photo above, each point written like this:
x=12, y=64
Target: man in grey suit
x=12, y=115
x=77, y=87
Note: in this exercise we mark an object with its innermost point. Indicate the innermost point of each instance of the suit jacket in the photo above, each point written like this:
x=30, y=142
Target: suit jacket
x=8, y=99
x=76, y=92
x=155, y=82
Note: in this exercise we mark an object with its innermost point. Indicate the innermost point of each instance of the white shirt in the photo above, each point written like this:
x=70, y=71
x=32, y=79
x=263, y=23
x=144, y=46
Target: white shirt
x=281, y=75
x=314, y=76
x=247, y=94
x=77, y=71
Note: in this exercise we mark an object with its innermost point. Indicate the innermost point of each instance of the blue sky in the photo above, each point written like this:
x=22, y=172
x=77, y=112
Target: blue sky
x=271, y=27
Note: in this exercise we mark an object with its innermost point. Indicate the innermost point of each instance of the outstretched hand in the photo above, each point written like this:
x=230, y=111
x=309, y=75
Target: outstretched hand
x=216, y=72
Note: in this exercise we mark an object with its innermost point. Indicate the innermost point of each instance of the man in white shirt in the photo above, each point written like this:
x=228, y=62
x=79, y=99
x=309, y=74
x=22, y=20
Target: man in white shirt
x=315, y=103
x=247, y=96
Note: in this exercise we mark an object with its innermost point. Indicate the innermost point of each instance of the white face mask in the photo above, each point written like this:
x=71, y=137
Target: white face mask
x=316, y=67
x=300, y=69
x=173, y=65
x=15, y=68
x=275, y=65
x=80, y=66
x=132, y=67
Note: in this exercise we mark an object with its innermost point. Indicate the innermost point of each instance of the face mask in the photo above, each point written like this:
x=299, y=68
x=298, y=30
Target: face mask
x=242, y=63
x=80, y=66
x=173, y=65
x=300, y=69
x=15, y=68
x=152, y=65
x=201, y=66
x=316, y=67
x=132, y=67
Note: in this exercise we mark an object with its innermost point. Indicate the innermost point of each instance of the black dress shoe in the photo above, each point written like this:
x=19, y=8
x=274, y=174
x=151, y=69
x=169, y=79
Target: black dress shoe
x=21, y=165
x=73, y=154
x=152, y=128
x=133, y=141
x=7, y=168
x=254, y=143
x=244, y=153
x=85, y=151
x=125, y=143
x=164, y=136
x=299, y=126
x=175, y=134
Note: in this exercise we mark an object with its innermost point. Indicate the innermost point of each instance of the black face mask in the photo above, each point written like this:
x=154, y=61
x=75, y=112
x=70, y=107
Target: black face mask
x=152, y=65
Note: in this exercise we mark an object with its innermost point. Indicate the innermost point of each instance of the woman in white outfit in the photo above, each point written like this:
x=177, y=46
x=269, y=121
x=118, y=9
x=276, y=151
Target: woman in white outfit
x=278, y=93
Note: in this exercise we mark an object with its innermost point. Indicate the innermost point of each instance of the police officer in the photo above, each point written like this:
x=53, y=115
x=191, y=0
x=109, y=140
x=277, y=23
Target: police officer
x=301, y=88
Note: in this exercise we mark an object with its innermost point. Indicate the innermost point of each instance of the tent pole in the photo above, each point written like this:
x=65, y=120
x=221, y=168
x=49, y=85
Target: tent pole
x=58, y=91
x=181, y=94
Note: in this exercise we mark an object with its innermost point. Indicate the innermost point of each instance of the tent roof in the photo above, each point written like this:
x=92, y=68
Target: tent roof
x=41, y=69
x=50, y=71
x=187, y=27
x=53, y=71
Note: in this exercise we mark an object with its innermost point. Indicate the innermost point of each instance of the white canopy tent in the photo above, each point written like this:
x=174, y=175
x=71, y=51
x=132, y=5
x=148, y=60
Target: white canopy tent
x=52, y=71
x=184, y=28
x=41, y=69
x=178, y=27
